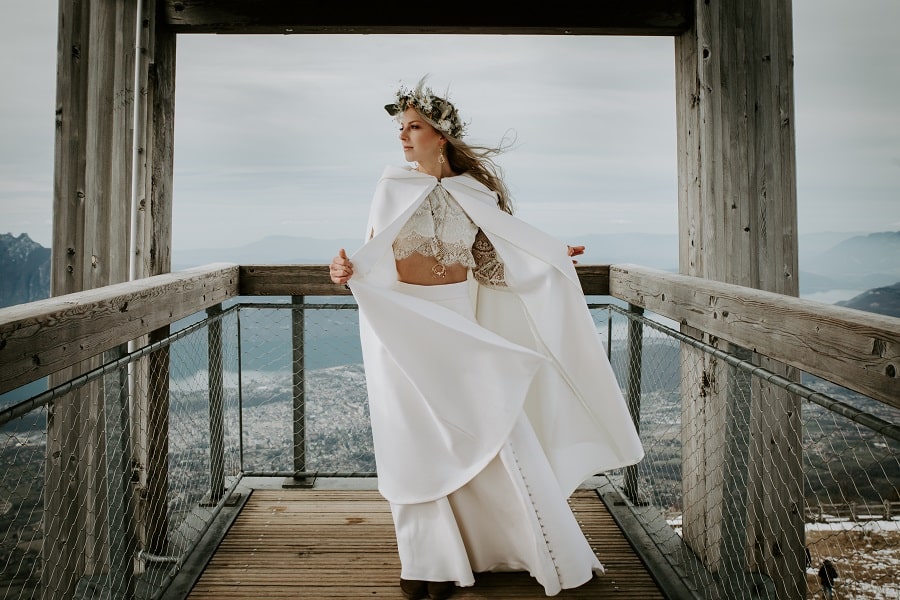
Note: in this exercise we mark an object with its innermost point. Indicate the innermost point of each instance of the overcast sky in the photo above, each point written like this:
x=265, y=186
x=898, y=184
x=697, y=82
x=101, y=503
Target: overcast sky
x=286, y=135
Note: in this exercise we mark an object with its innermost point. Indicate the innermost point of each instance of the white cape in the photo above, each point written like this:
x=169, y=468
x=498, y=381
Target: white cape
x=534, y=348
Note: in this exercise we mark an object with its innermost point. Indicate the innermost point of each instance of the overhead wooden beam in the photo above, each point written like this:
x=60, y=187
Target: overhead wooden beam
x=639, y=17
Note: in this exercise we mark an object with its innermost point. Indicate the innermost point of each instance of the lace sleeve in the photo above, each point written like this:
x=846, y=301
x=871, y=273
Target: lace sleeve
x=488, y=266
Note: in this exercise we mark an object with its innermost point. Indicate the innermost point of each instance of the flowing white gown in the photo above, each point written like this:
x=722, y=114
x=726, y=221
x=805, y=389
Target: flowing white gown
x=489, y=406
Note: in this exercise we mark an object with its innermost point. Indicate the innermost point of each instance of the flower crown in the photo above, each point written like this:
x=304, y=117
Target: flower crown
x=439, y=112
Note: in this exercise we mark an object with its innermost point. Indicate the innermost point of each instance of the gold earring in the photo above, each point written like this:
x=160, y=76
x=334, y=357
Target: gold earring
x=441, y=155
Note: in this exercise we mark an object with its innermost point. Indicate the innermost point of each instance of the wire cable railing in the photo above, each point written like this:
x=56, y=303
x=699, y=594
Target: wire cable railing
x=850, y=471
x=277, y=389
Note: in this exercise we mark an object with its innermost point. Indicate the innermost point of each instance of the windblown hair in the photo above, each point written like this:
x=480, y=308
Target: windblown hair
x=442, y=115
x=478, y=162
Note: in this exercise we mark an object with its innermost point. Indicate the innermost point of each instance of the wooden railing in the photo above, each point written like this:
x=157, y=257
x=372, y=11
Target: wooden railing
x=852, y=348
x=853, y=511
x=855, y=349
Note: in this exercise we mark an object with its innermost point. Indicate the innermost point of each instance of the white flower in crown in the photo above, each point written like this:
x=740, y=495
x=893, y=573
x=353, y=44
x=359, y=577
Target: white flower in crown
x=438, y=110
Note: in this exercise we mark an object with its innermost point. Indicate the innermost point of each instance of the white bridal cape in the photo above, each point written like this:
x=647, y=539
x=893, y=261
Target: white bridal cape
x=525, y=387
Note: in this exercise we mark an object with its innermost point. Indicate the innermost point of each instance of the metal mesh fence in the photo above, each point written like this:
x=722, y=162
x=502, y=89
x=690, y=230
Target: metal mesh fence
x=111, y=478
x=851, y=477
x=850, y=471
x=142, y=453
x=305, y=406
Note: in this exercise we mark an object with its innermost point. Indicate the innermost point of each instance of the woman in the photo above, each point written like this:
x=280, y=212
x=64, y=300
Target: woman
x=490, y=394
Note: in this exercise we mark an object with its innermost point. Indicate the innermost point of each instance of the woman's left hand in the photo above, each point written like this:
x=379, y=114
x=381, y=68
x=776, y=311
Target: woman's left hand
x=575, y=251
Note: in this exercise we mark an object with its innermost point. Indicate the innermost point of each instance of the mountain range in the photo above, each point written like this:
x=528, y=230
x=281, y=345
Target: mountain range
x=24, y=270
x=869, y=263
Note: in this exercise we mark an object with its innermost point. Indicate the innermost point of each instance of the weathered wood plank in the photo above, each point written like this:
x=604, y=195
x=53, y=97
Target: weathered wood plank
x=153, y=256
x=161, y=144
x=313, y=280
x=42, y=337
x=855, y=349
x=639, y=17
x=91, y=228
x=738, y=225
x=68, y=174
x=322, y=544
x=594, y=279
x=288, y=280
x=65, y=538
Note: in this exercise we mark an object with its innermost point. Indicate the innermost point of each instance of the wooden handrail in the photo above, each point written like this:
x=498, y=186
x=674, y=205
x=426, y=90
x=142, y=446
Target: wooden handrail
x=40, y=338
x=852, y=348
x=312, y=280
x=856, y=349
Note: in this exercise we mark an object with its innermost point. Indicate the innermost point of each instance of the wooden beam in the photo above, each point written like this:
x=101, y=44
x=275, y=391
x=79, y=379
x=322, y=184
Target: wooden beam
x=858, y=350
x=40, y=338
x=288, y=280
x=161, y=146
x=312, y=280
x=738, y=224
x=594, y=279
x=68, y=171
x=639, y=17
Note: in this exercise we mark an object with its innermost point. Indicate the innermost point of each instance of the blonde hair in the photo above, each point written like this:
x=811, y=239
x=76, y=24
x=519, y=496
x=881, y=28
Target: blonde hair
x=478, y=162
x=474, y=160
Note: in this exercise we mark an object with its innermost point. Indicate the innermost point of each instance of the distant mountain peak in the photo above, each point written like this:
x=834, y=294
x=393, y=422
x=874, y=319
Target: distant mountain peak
x=883, y=300
x=24, y=269
x=22, y=238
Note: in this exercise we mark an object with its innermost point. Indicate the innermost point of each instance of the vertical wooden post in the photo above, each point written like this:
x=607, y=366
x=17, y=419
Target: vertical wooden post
x=738, y=224
x=160, y=146
x=155, y=147
x=92, y=199
x=63, y=537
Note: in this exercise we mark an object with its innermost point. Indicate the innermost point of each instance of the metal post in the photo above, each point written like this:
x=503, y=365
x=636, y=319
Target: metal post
x=298, y=370
x=609, y=326
x=633, y=392
x=240, y=391
x=216, y=407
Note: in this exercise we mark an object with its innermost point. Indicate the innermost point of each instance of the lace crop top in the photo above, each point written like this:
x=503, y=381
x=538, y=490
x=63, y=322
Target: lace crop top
x=440, y=228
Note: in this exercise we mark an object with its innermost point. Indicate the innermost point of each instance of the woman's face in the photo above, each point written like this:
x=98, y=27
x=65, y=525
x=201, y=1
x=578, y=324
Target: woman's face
x=419, y=139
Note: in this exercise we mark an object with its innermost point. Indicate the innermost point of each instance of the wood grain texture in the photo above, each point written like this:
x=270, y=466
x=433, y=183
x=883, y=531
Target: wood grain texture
x=856, y=349
x=318, y=544
x=313, y=280
x=43, y=337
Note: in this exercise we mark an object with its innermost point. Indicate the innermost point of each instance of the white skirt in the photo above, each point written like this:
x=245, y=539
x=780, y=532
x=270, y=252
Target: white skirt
x=512, y=516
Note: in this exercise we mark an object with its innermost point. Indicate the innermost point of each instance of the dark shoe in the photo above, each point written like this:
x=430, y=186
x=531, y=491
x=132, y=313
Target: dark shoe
x=413, y=589
x=438, y=590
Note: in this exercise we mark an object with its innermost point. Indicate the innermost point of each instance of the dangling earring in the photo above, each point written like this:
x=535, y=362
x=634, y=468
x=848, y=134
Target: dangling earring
x=441, y=160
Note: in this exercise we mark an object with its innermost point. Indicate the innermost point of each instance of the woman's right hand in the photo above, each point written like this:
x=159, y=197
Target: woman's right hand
x=341, y=269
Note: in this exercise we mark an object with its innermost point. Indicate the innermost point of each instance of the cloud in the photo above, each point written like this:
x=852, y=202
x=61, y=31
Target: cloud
x=287, y=134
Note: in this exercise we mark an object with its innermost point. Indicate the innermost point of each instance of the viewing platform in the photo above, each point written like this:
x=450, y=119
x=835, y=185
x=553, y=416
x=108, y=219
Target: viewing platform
x=142, y=406
x=339, y=543
x=224, y=441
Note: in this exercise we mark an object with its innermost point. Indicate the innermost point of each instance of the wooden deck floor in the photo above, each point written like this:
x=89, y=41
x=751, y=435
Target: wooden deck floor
x=326, y=544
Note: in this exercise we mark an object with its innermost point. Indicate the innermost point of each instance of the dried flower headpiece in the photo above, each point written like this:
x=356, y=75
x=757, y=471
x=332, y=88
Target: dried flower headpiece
x=439, y=112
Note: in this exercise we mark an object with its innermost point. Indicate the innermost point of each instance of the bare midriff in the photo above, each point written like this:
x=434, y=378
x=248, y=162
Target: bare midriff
x=417, y=270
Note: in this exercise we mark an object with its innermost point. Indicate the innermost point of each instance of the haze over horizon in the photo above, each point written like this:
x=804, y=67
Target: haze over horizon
x=286, y=135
